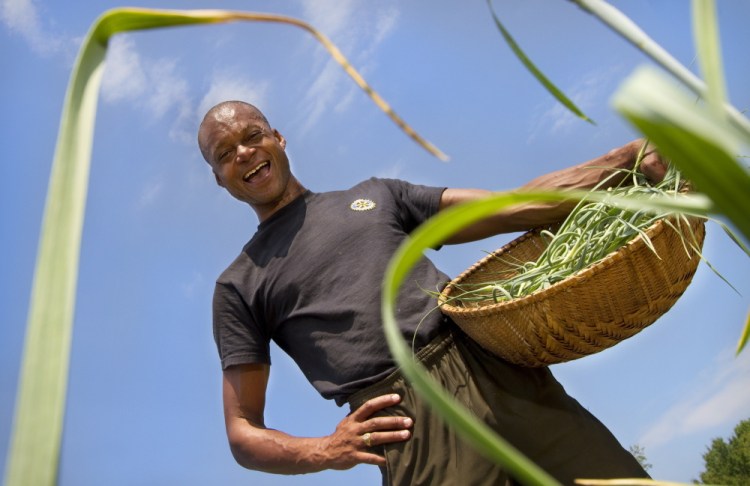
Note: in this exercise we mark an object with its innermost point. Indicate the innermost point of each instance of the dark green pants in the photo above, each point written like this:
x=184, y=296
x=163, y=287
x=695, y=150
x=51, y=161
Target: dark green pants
x=526, y=406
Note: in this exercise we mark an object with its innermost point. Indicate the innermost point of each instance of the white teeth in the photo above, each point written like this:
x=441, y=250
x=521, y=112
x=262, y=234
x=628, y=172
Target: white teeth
x=250, y=173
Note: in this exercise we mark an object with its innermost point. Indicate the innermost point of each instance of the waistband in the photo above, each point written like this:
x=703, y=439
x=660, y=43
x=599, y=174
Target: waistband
x=428, y=355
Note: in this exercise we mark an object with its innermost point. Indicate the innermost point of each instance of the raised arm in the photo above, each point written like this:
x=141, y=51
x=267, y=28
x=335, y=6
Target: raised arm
x=582, y=176
x=255, y=446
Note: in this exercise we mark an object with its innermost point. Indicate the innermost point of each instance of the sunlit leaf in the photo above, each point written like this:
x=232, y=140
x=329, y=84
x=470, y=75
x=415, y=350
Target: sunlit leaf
x=700, y=142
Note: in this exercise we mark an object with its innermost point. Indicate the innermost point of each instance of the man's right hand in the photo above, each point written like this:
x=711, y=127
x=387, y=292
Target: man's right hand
x=258, y=447
x=351, y=443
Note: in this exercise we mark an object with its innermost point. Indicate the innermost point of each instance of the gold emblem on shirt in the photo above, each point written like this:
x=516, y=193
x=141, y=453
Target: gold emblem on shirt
x=362, y=205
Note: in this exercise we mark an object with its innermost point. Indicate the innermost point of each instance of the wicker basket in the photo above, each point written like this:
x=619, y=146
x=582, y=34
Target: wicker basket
x=588, y=312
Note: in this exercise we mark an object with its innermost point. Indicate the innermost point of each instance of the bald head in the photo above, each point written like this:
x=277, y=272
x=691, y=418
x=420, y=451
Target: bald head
x=223, y=113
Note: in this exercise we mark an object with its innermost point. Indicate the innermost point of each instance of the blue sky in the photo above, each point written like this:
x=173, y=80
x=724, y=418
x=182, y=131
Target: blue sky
x=144, y=394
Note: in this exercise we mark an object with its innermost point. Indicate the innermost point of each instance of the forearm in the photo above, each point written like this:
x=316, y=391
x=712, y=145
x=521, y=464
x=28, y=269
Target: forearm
x=255, y=446
x=273, y=451
x=607, y=170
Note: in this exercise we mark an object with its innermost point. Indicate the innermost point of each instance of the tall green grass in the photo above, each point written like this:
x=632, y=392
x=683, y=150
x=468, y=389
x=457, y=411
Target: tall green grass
x=702, y=140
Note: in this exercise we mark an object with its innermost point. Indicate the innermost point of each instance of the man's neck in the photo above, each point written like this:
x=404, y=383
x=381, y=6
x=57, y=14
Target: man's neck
x=266, y=211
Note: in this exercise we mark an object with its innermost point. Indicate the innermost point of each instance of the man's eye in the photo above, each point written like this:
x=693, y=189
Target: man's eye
x=255, y=136
x=224, y=155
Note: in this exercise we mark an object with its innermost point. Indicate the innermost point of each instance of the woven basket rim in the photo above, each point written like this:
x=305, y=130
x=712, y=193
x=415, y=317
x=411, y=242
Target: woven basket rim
x=578, y=278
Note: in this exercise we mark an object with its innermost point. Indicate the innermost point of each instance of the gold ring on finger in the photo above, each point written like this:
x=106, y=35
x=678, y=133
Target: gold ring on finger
x=367, y=438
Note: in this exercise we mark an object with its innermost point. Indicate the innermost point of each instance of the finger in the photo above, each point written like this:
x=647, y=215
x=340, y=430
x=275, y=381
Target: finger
x=387, y=423
x=380, y=438
x=375, y=404
x=653, y=167
x=370, y=458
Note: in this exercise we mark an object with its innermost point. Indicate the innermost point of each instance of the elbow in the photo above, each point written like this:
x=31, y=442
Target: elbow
x=254, y=454
x=241, y=457
x=270, y=451
x=242, y=452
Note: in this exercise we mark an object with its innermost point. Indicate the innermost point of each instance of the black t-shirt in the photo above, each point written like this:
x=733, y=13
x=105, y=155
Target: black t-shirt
x=310, y=279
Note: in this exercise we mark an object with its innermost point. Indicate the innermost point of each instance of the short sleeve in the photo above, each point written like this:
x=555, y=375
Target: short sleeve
x=239, y=338
x=416, y=203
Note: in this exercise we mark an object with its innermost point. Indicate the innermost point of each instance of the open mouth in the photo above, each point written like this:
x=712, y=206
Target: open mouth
x=254, y=171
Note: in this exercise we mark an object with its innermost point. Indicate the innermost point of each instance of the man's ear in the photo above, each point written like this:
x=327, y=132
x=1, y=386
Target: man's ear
x=280, y=138
x=218, y=181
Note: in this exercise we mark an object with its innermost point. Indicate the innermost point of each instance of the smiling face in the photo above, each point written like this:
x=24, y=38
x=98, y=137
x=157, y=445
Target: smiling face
x=248, y=158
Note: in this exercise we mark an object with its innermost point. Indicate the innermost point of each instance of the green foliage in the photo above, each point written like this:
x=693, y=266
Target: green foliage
x=639, y=452
x=729, y=462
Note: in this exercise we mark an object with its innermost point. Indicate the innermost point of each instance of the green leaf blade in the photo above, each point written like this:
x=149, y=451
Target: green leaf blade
x=536, y=72
x=744, y=336
x=40, y=404
x=429, y=234
x=706, y=34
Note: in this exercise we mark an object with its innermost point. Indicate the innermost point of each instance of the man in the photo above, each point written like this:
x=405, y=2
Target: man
x=309, y=279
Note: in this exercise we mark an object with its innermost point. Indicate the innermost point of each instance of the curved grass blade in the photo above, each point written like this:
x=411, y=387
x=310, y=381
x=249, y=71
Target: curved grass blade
x=742, y=246
x=745, y=335
x=433, y=232
x=126, y=19
x=35, y=444
x=40, y=402
x=553, y=90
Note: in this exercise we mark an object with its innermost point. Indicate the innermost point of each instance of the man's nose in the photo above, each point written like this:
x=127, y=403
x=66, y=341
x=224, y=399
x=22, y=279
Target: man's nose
x=244, y=152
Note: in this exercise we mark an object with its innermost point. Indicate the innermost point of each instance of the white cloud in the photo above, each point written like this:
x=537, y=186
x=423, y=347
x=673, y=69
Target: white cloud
x=154, y=85
x=720, y=397
x=22, y=16
x=588, y=94
x=358, y=36
x=124, y=77
x=385, y=22
x=322, y=92
x=333, y=19
x=223, y=86
x=394, y=171
x=168, y=89
x=197, y=281
x=150, y=193
x=227, y=86
x=172, y=93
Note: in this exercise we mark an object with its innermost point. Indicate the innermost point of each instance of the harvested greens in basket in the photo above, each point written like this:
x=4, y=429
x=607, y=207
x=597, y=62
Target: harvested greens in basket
x=591, y=231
